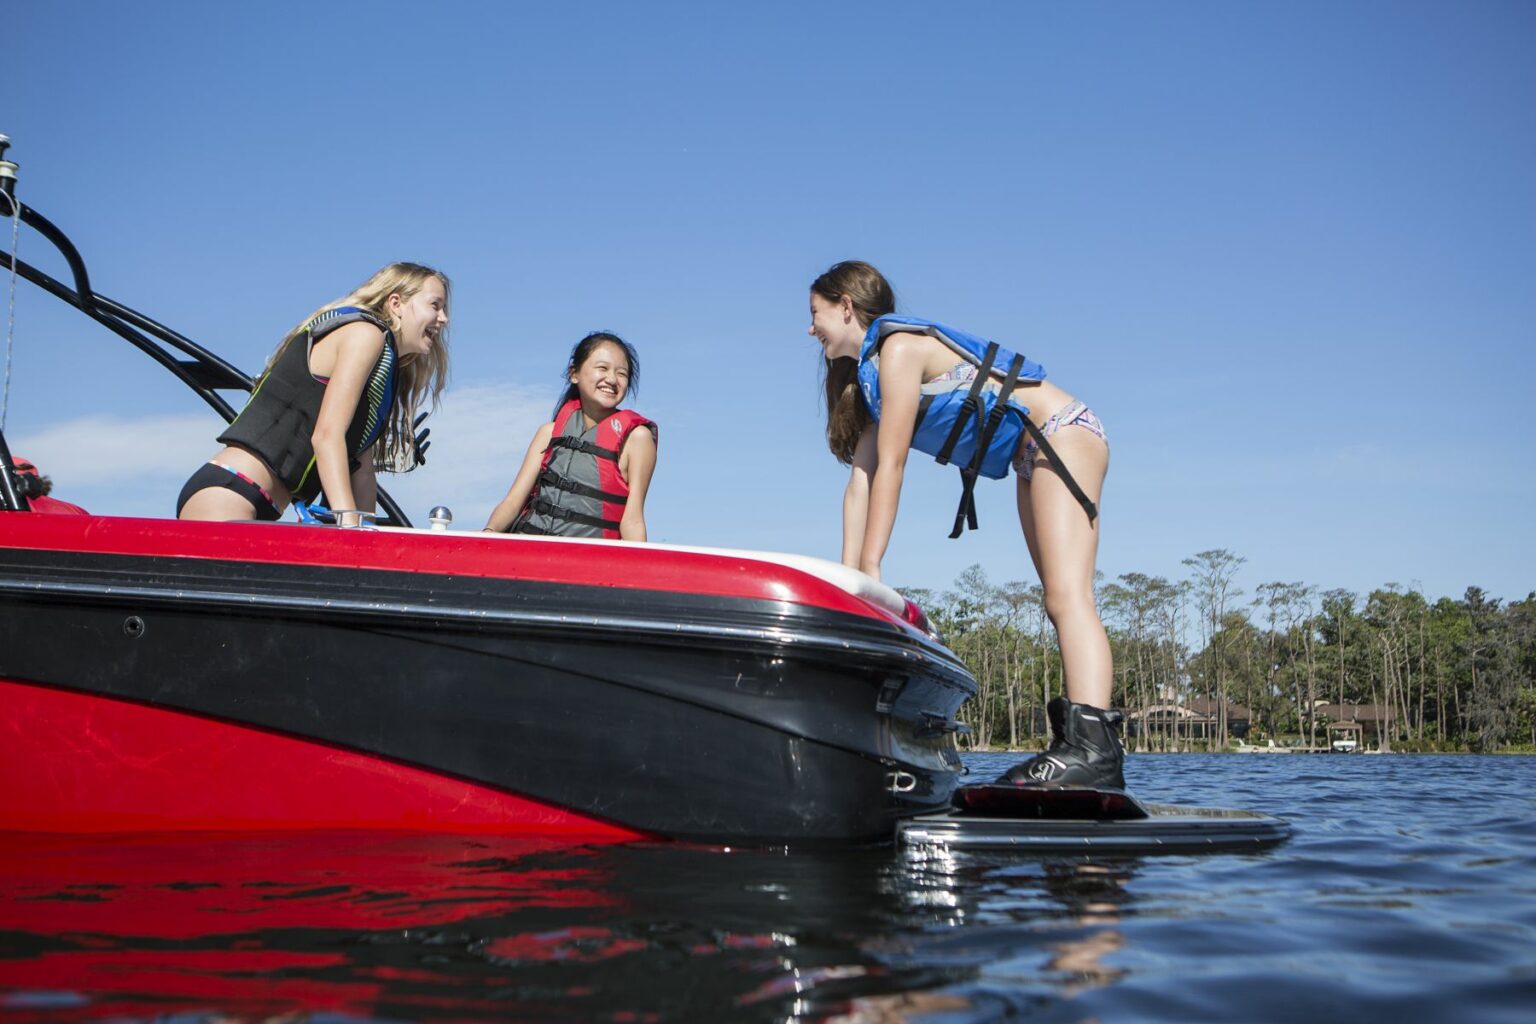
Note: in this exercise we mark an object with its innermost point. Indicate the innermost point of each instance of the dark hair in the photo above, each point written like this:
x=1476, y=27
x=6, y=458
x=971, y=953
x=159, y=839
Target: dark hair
x=872, y=298
x=33, y=486
x=29, y=482
x=584, y=349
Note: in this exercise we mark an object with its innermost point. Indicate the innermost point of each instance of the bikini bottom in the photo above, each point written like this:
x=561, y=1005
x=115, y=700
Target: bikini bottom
x=216, y=474
x=1073, y=414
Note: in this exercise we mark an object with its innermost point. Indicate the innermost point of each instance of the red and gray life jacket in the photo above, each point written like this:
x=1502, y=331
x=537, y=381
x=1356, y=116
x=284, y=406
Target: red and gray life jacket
x=579, y=492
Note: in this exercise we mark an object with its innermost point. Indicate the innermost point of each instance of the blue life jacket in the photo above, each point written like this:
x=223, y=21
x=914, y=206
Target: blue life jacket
x=959, y=408
x=976, y=424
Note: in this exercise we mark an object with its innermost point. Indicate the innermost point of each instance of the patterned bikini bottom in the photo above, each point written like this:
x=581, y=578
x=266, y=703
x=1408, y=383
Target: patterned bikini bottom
x=1073, y=414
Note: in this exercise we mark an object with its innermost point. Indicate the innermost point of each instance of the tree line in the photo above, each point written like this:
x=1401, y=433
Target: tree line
x=1447, y=674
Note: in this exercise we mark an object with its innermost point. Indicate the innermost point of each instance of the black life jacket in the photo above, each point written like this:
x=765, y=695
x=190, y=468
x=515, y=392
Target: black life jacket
x=278, y=421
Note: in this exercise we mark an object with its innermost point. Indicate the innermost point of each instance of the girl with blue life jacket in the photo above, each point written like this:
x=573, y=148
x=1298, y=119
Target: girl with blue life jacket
x=335, y=402
x=897, y=383
x=586, y=472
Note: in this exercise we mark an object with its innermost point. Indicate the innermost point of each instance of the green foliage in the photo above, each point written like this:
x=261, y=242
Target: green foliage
x=1443, y=675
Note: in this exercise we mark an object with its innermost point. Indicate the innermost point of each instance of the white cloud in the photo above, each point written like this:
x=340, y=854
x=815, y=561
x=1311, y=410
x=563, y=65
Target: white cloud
x=98, y=451
x=478, y=440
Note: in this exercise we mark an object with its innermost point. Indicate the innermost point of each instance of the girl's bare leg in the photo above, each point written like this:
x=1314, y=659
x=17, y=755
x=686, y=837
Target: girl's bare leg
x=1064, y=546
x=217, y=504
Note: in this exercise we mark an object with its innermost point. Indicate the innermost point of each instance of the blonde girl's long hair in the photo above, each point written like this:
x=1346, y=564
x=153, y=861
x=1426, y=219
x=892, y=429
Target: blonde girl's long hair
x=416, y=379
x=872, y=297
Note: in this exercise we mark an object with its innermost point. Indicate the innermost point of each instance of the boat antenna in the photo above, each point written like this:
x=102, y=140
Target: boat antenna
x=13, y=208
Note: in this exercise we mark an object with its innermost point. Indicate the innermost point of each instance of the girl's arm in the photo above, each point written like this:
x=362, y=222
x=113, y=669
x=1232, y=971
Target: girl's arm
x=522, y=485
x=638, y=462
x=901, y=382
x=347, y=357
x=856, y=497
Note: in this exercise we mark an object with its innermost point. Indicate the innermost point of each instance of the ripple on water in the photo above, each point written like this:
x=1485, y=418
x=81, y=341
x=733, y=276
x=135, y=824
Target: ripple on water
x=1405, y=895
x=1282, y=995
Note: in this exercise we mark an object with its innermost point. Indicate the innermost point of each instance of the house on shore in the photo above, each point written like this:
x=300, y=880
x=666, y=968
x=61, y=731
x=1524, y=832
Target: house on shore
x=1197, y=719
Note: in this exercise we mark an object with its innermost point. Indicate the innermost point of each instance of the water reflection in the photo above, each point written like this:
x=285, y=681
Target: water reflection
x=1022, y=931
x=1094, y=895
x=419, y=927
x=1429, y=889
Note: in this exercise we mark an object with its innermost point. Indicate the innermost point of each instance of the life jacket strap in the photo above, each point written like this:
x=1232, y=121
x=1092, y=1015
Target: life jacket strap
x=549, y=478
x=585, y=447
x=1061, y=469
x=544, y=506
x=965, y=516
x=969, y=406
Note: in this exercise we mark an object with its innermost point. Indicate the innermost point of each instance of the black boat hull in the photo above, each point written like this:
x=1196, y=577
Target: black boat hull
x=687, y=715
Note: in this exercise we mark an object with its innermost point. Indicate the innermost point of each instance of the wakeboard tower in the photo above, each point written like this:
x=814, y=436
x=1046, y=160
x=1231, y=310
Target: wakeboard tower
x=1080, y=819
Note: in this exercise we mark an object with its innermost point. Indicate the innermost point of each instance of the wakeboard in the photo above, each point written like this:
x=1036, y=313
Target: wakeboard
x=1080, y=819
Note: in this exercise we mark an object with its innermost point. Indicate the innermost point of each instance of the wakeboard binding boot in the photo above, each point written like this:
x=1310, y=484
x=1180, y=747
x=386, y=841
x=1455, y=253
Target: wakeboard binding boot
x=1085, y=750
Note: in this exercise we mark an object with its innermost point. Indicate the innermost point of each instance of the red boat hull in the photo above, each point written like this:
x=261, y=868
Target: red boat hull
x=81, y=763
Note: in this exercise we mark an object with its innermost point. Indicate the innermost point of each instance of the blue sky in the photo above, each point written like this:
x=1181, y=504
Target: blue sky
x=1286, y=250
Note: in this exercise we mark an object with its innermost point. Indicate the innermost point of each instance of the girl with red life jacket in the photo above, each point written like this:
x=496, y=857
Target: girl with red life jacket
x=586, y=472
x=335, y=402
x=892, y=384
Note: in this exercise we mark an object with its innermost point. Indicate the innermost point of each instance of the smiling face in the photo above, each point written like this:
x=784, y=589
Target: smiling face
x=421, y=318
x=835, y=326
x=602, y=380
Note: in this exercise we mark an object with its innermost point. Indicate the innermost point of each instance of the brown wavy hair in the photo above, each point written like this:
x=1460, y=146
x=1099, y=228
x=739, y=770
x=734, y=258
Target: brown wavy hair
x=872, y=297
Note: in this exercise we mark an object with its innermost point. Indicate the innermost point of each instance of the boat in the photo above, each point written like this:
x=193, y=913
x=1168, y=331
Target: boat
x=1344, y=737
x=166, y=675
x=163, y=675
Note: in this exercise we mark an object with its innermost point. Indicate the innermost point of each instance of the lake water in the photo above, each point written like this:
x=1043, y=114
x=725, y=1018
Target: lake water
x=1407, y=894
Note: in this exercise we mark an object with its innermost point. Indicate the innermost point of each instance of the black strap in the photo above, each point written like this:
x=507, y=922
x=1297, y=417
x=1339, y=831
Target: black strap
x=544, y=506
x=1061, y=469
x=585, y=447
x=970, y=405
x=965, y=516
x=549, y=478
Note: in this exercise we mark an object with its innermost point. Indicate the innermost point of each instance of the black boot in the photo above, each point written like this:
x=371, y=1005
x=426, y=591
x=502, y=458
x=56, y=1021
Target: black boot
x=1085, y=750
